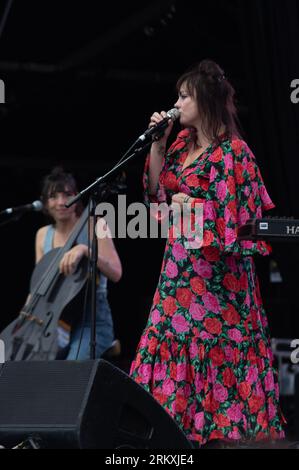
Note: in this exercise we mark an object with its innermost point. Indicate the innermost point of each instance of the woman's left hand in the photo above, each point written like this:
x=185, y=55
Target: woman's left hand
x=181, y=198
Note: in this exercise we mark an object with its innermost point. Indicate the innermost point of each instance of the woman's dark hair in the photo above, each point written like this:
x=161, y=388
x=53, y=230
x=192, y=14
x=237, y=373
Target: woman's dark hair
x=57, y=182
x=207, y=83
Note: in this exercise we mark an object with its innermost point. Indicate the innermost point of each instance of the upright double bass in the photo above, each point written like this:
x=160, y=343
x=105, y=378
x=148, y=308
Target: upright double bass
x=33, y=334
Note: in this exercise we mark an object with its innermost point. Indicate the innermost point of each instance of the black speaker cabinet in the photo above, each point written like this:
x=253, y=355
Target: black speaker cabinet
x=81, y=404
x=296, y=408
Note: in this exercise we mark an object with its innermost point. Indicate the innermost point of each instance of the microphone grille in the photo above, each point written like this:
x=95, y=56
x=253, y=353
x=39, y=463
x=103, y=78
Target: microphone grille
x=173, y=114
x=37, y=205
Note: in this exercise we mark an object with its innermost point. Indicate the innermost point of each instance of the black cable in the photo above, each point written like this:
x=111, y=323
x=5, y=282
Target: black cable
x=5, y=16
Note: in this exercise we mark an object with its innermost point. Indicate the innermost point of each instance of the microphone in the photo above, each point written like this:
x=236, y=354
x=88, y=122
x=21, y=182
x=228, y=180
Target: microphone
x=34, y=206
x=172, y=114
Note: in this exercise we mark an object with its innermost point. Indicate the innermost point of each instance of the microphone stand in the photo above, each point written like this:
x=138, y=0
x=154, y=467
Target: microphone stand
x=92, y=190
x=94, y=265
x=15, y=218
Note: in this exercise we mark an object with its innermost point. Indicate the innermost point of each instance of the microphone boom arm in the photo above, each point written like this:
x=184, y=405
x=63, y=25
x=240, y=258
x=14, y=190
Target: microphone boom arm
x=142, y=143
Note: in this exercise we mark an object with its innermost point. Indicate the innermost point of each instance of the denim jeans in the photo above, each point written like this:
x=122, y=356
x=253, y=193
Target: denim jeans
x=104, y=332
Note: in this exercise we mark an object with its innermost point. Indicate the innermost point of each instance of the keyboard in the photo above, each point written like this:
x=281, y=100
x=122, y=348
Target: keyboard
x=272, y=229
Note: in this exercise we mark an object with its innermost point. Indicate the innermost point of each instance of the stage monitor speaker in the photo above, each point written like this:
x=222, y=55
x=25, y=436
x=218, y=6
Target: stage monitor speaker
x=81, y=404
x=296, y=408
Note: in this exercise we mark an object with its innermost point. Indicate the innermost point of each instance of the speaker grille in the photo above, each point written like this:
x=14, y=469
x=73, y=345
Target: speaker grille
x=85, y=405
x=48, y=383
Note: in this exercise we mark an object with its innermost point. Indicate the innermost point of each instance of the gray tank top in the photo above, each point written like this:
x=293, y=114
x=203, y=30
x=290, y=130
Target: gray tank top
x=82, y=239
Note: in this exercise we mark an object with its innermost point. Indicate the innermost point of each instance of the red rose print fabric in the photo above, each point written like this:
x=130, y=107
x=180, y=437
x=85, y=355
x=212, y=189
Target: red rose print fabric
x=205, y=353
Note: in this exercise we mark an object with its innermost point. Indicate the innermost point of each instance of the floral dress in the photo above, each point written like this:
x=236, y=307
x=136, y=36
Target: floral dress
x=204, y=353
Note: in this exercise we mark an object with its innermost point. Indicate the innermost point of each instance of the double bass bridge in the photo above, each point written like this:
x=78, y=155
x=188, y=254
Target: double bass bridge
x=31, y=318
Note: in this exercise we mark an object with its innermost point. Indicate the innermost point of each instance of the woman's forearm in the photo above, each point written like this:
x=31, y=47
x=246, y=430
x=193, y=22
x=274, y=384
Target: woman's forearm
x=110, y=268
x=155, y=165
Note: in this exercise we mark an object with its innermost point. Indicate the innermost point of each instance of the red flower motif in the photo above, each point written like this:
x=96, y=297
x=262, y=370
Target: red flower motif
x=137, y=361
x=184, y=134
x=216, y=156
x=160, y=397
x=229, y=378
x=192, y=180
x=157, y=297
x=169, y=305
x=262, y=436
x=198, y=285
x=192, y=223
x=231, y=283
x=213, y=326
x=244, y=282
x=244, y=390
x=237, y=146
x=201, y=352
x=203, y=183
x=251, y=203
x=246, y=326
x=172, y=238
x=180, y=403
x=254, y=318
x=231, y=315
x=273, y=433
x=233, y=209
x=197, y=200
x=184, y=297
x=220, y=225
x=216, y=434
x=262, y=419
x=190, y=374
x=262, y=348
x=152, y=345
x=211, y=254
x=164, y=352
x=251, y=356
x=180, y=145
x=239, y=169
x=210, y=404
x=255, y=403
x=186, y=421
x=251, y=171
x=236, y=355
x=170, y=181
x=221, y=421
x=231, y=185
x=208, y=237
x=173, y=372
x=217, y=356
x=174, y=348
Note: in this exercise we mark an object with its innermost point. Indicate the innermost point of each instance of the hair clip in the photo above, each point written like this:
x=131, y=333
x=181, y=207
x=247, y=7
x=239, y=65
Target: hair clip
x=220, y=78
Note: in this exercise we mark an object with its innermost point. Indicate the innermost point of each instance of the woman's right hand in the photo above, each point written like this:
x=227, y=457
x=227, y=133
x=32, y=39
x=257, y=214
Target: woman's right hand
x=71, y=259
x=156, y=118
